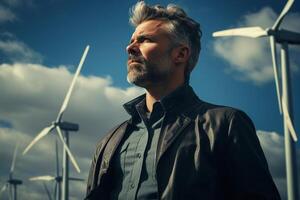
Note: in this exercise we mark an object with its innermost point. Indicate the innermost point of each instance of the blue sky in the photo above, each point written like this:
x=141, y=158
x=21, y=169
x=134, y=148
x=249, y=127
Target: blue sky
x=42, y=42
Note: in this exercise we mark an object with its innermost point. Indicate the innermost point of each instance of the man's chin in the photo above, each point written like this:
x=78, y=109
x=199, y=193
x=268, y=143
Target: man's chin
x=136, y=80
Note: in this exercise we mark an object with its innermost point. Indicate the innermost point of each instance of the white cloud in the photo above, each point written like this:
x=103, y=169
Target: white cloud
x=11, y=49
x=8, y=9
x=6, y=15
x=17, y=51
x=273, y=146
x=31, y=96
x=250, y=59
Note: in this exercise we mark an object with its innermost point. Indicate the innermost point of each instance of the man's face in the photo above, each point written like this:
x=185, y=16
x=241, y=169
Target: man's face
x=149, y=51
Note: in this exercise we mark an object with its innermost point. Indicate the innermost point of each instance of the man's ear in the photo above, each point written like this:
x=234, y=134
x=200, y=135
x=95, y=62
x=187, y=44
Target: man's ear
x=181, y=54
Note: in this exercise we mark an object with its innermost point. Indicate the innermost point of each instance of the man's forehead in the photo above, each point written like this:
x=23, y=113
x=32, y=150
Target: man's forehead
x=148, y=27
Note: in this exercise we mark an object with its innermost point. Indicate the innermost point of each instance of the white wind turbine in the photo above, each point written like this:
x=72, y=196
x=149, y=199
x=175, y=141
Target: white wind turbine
x=283, y=37
x=12, y=183
x=59, y=125
x=58, y=178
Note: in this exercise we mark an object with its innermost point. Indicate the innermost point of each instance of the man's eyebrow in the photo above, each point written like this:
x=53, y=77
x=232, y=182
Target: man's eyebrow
x=142, y=36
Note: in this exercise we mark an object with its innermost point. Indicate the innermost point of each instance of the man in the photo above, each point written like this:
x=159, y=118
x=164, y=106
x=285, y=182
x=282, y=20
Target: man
x=176, y=146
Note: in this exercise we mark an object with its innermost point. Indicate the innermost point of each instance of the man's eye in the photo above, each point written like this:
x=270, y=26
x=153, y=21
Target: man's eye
x=145, y=40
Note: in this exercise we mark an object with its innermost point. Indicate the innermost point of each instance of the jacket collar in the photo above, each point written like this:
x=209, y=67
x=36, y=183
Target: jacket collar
x=173, y=103
x=130, y=106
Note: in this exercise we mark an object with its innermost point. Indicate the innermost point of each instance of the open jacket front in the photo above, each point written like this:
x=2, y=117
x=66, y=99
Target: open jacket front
x=204, y=152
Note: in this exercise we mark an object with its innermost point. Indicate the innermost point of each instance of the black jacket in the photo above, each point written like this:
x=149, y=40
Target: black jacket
x=205, y=152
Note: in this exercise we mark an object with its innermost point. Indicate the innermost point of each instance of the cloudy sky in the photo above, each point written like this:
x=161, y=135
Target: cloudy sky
x=41, y=44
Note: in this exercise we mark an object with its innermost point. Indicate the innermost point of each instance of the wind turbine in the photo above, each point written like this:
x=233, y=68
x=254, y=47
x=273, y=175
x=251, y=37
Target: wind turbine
x=58, y=178
x=59, y=125
x=12, y=183
x=283, y=37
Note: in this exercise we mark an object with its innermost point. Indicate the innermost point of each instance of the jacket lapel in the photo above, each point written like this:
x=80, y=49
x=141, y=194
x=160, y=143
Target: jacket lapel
x=104, y=155
x=170, y=133
x=111, y=146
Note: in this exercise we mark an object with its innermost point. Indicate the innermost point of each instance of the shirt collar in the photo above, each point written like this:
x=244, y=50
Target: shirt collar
x=130, y=106
x=172, y=102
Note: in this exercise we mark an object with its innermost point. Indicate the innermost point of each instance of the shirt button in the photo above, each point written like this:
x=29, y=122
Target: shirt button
x=139, y=155
x=132, y=185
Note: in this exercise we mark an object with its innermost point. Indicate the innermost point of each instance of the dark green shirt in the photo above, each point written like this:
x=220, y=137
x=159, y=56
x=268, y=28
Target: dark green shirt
x=134, y=163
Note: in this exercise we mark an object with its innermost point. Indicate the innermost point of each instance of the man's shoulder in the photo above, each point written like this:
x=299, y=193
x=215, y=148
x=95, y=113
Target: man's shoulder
x=219, y=119
x=196, y=107
x=214, y=112
x=109, y=133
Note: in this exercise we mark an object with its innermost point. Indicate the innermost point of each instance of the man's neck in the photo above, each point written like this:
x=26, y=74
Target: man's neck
x=157, y=93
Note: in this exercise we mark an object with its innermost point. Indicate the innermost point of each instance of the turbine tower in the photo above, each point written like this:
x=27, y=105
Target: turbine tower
x=283, y=37
x=12, y=183
x=59, y=125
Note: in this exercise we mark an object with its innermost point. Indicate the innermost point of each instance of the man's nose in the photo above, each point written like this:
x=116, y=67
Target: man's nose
x=132, y=49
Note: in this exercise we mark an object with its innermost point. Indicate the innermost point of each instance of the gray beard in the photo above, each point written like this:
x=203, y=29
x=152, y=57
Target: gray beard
x=142, y=76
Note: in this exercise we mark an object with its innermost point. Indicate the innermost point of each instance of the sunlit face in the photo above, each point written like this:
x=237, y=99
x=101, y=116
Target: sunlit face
x=149, y=51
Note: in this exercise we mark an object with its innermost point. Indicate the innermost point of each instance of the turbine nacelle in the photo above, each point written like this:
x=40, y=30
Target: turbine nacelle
x=66, y=126
x=58, y=179
x=15, y=181
x=286, y=36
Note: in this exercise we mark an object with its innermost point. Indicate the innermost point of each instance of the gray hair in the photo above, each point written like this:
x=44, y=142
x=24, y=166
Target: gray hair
x=183, y=29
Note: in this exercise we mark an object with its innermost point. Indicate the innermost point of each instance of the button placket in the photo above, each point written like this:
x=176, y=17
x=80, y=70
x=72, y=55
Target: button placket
x=137, y=166
x=132, y=185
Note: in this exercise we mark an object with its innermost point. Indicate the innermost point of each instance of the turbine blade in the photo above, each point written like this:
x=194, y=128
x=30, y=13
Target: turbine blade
x=289, y=122
x=56, y=157
x=14, y=160
x=47, y=191
x=67, y=98
x=3, y=189
x=43, y=133
x=252, y=32
x=283, y=13
x=42, y=178
x=76, y=179
x=276, y=77
x=66, y=148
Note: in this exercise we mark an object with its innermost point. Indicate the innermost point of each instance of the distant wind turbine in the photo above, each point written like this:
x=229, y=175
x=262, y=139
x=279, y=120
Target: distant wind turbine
x=58, y=178
x=12, y=183
x=283, y=37
x=59, y=125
